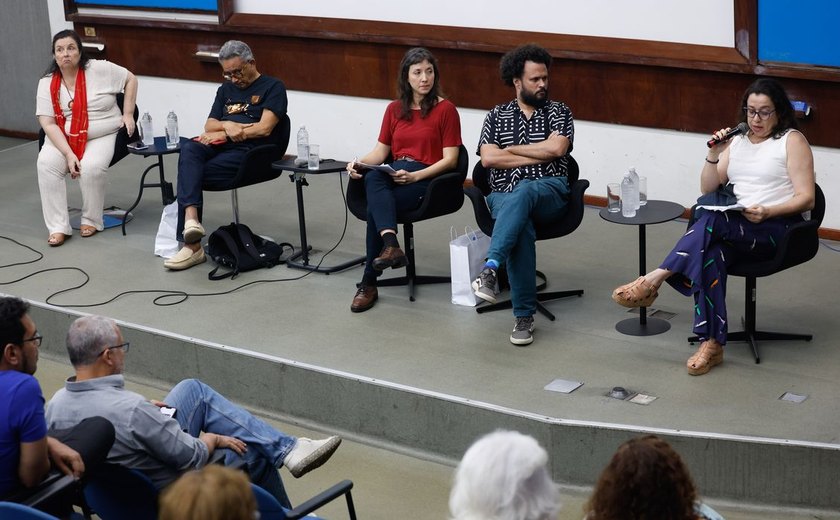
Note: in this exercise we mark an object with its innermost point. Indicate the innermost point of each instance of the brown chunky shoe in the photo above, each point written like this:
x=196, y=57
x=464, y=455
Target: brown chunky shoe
x=366, y=296
x=638, y=293
x=392, y=257
x=708, y=355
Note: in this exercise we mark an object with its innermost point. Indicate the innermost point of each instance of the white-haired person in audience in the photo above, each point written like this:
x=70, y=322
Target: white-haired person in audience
x=504, y=476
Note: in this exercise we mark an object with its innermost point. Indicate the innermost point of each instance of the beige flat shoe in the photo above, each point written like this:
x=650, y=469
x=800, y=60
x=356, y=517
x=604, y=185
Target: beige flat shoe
x=638, y=293
x=709, y=354
x=193, y=231
x=185, y=258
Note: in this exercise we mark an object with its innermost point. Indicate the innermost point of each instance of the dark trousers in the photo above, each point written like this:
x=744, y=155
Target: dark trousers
x=385, y=199
x=202, y=166
x=700, y=259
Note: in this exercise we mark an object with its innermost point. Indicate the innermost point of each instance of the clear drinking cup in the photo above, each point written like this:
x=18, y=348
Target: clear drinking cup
x=314, y=156
x=642, y=190
x=613, y=197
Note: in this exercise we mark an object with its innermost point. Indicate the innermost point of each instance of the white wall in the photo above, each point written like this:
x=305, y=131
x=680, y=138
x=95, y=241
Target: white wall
x=346, y=127
x=702, y=22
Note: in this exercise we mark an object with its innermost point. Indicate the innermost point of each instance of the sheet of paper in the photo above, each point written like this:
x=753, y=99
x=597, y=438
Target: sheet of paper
x=564, y=386
x=382, y=167
x=722, y=208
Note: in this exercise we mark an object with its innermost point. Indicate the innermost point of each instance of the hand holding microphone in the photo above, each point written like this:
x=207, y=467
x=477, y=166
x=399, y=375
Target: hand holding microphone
x=742, y=128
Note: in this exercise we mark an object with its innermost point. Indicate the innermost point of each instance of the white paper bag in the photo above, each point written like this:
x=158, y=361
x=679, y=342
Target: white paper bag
x=466, y=259
x=166, y=245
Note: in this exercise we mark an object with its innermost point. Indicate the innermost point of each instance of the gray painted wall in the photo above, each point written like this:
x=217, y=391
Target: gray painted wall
x=24, y=55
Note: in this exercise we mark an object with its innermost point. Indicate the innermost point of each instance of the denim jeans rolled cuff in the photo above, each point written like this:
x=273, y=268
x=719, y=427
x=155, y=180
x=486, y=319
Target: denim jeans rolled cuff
x=385, y=199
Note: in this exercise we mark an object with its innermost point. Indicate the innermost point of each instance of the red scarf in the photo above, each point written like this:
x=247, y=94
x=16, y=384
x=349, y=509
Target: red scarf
x=77, y=139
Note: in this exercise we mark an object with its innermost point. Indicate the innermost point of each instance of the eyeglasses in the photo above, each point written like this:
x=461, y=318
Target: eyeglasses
x=123, y=346
x=36, y=339
x=762, y=114
x=238, y=73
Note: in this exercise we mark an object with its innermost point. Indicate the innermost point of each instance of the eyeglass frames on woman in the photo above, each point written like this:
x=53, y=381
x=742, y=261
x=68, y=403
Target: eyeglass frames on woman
x=123, y=346
x=762, y=114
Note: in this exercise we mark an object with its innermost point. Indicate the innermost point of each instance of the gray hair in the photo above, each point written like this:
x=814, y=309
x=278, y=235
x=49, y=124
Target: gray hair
x=504, y=476
x=87, y=336
x=234, y=48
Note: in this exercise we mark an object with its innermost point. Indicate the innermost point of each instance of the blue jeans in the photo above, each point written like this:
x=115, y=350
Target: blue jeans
x=384, y=200
x=202, y=409
x=514, y=238
x=201, y=165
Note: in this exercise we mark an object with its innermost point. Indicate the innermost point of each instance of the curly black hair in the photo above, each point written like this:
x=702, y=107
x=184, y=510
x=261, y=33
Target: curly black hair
x=513, y=63
x=12, y=311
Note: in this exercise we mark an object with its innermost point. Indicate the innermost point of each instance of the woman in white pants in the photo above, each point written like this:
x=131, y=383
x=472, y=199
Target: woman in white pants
x=76, y=106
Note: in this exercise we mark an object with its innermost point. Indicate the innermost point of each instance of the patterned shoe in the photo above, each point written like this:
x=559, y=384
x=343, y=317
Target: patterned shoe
x=638, y=293
x=709, y=354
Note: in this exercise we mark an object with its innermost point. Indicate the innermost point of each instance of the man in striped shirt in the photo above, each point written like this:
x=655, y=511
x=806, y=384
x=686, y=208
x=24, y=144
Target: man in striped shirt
x=523, y=144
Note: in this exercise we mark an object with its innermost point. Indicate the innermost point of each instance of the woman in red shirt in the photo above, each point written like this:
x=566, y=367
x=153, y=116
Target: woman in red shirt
x=420, y=135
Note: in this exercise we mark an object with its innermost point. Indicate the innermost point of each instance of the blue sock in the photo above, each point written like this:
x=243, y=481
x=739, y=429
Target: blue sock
x=492, y=264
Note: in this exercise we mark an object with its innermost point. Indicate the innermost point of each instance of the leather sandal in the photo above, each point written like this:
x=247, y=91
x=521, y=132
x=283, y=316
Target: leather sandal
x=56, y=239
x=638, y=293
x=709, y=354
x=87, y=231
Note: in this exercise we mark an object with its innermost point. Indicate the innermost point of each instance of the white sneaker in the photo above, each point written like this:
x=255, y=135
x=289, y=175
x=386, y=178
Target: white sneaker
x=193, y=231
x=184, y=259
x=308, y=454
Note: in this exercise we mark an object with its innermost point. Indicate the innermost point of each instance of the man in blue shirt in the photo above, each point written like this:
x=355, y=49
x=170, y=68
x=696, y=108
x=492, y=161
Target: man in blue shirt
x=245, y=114
x=26, y=449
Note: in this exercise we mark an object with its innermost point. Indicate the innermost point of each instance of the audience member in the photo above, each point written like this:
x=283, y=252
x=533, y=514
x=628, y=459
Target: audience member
x=77, y=107
x=504, y=476
x=163, y=447
x=523, y=144
x=770, y=172
x=645, y=479
x=421, y=136
x=26, y=446
x=245, y=114
x=211, y=493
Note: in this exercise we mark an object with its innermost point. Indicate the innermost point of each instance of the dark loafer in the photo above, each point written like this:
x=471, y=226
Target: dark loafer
x=366, y=296
x=392, y=257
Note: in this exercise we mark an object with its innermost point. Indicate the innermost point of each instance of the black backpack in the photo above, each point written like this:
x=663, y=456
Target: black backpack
x=234, y=246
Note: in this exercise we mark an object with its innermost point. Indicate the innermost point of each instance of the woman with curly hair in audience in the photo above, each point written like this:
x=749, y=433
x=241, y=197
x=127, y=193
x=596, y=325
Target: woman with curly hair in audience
x=646, y=479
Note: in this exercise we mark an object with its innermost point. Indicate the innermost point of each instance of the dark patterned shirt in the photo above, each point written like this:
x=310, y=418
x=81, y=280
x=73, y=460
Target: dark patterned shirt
x=506, y=125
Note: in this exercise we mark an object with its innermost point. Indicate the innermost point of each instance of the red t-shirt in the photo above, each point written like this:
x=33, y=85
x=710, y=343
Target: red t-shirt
x=423, y=138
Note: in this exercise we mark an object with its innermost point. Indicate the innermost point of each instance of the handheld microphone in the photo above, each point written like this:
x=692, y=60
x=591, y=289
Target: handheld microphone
x=742, y=128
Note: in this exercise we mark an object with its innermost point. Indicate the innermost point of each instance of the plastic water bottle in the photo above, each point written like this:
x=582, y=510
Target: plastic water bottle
x=172, y=139
x=628, y=190
x=635, y=177
x=302, y=147
x=147, y=132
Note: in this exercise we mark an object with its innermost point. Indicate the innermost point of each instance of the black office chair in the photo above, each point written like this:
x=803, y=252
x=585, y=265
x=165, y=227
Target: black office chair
x=799, y=244
x=270, y=509
x=444, y=195
x=120, y=146
x=568, y=223
x=255, y=167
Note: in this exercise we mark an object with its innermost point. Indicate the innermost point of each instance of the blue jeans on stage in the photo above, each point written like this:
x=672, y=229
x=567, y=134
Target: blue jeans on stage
x=384, y=200
x=202, y=409
x=201, y=165
x=514, y=238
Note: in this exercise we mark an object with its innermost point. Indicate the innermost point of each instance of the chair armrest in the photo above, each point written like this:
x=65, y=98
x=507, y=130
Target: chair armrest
x=357, y=198
x=800, y=243
x=445, y=192
x=325, y=497
x=482, y=211
x=54, y=486
x=256, y=165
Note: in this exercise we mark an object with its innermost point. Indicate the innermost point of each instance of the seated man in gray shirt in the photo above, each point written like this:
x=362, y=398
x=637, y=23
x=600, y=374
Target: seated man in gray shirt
x=163, y=447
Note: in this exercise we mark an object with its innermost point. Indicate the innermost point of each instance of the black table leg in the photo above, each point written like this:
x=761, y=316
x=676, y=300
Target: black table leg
x=644, y=326
x=166, y=192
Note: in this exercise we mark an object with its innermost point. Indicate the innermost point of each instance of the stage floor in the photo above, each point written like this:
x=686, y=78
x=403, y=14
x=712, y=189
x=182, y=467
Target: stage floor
x=432, y=344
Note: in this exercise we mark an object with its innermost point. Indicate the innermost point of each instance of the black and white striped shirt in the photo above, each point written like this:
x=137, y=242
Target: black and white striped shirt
x=506, y=125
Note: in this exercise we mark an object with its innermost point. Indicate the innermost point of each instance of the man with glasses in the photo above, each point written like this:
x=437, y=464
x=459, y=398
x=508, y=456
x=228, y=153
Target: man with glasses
x=27, y=448
x=245, y=114
x=162, y=445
